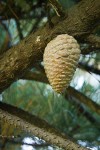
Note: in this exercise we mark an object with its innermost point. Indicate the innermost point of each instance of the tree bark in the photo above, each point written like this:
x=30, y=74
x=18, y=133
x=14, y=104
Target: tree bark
x=32, y=124
x=81, y=20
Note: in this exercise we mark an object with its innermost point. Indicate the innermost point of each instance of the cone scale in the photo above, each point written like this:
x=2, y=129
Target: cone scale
x=60, y=59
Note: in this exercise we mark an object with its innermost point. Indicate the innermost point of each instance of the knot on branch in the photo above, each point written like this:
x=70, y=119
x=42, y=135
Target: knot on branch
x=60, y=58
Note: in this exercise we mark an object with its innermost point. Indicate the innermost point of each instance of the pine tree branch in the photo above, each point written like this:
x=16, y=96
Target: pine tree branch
x=17, y=60
x=84, y=99
x=32, y=124
x=81, y=98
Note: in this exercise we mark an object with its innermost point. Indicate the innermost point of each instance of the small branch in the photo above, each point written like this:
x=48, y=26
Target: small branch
x=57, y=7
x=89, y=68
x=19, y=30
x=35, y=76
x=89, y=50
x=35, y=26
x=32, y=124
x=51, y=25
x=94, y=44
x=81, y=98
x=94, y=40
x=84, y=99
x=12, y=11
x=80, y=108
x=85, y=113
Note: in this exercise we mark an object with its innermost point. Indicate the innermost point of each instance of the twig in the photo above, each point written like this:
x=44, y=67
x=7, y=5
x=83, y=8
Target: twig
x=12, y=11
x=51, y=25
x=19, y=29
x=57, y=7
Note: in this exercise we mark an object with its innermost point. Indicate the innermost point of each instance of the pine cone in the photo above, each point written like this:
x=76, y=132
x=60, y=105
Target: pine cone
x=60, y=58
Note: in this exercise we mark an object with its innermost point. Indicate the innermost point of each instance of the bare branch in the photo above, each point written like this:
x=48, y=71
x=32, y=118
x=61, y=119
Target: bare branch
x=32, y=124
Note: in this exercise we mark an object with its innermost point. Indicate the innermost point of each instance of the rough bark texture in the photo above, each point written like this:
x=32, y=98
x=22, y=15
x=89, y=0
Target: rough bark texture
x=36, y=126
x=81, y=19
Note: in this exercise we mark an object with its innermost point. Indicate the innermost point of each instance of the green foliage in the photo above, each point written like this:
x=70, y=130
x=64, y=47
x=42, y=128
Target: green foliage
x=23, y=5
x=40, y=100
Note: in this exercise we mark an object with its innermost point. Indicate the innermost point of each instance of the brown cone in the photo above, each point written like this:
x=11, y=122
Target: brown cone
x=60, y=58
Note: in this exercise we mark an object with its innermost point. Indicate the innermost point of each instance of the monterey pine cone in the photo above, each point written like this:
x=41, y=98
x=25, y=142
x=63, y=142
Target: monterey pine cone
x=61, y=56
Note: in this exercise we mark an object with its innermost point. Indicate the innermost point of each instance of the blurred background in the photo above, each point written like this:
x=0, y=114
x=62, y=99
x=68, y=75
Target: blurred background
x=18, y=18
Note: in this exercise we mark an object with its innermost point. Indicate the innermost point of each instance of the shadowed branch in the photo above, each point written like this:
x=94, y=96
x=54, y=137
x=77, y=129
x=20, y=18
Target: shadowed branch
x=81, y=98
x=32, y=124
